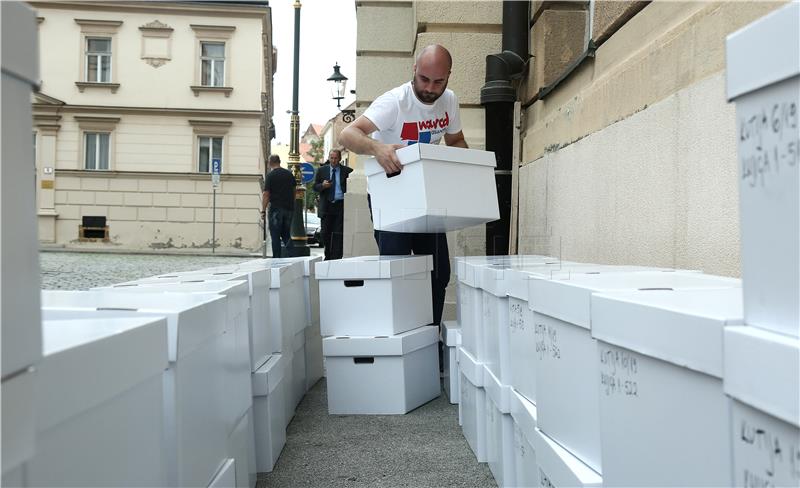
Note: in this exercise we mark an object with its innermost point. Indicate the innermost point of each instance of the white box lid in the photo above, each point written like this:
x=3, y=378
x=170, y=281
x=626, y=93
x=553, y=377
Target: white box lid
x=308, y=263
x=524, y=414
x=764, y=52
x=683, y=327
x=496, y=391
x=257, y=278
x=396, y=345
x=418, y=152
x=373, y=267
x=563, y=469
x=470, y=367
x=238, y=292
x=467, y=267
x=451, y=333
x=512, y=278
x=268, y=375
x=192, y=319
x=762, y=369
x=570, y=299
x=283, y=271
x=20, y=52
x=89, y=361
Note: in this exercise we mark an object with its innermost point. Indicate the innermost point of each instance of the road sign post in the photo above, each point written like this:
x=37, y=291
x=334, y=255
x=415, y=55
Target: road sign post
x=216, y=168
x=306, y=173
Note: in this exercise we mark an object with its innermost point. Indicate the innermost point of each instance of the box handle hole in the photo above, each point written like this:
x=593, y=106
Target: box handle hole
x=392, y=175
x=352, y=283
x=369, y=360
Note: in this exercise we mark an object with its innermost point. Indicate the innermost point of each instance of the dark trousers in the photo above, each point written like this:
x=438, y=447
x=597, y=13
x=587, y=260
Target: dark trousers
x=333, y=230
x=401, y=243
x=280, y=229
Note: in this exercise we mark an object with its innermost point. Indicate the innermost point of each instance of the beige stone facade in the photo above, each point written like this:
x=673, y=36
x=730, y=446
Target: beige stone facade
x=390, y=33
x=627, y=145
x=136, y=100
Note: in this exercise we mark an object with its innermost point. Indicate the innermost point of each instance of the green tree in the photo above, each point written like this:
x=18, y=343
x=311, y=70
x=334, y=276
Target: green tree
x=317, y=150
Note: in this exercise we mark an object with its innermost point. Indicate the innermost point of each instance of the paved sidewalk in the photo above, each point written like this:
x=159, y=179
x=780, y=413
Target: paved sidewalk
x=424, y=448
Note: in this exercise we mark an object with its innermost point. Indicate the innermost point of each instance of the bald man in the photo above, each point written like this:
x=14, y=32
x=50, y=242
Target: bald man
x=421, y=110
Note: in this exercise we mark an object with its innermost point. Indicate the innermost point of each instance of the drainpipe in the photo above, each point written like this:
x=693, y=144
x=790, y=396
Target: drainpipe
x=497, y=97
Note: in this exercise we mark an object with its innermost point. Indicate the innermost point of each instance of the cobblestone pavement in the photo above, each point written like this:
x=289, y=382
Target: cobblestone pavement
x=83, y=270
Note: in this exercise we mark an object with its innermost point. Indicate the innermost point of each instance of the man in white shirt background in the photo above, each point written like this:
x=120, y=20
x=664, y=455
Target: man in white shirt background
x=420, y=111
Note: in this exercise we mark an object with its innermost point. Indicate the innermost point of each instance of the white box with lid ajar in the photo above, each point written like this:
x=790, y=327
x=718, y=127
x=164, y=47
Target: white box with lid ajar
x=374, y=295
x=439, y=189
x=382, y=375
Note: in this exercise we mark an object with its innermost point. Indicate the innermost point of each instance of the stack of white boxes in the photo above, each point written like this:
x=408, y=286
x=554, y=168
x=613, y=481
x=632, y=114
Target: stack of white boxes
x=206, y=392
x=762, y=358
x=100, y=418
x=21, y=330
x=380, y=356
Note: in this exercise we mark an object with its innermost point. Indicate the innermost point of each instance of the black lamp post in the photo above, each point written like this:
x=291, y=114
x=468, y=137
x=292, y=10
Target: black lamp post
x=338, y=89
x=299, y=239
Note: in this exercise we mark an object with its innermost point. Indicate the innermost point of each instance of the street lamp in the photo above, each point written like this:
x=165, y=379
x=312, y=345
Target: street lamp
x=338, y=89
x=298, y=230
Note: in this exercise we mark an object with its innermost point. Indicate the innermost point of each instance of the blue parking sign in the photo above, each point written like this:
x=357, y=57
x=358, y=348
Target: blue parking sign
x=216, y=166
x=306, y=172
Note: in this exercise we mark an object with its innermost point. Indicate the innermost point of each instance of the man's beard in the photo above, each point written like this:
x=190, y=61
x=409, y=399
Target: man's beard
x=426, y=96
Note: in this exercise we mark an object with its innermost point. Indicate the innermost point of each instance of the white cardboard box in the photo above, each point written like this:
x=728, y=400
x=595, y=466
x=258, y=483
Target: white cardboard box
x=19, y=422
x=200, y=407
x=420, y=199
x=567, y=387
x=472, y=405
x=558, y=467
x=382, y=375
x=524, y=414
x=19, y=255
x=451, y=339
x=269, y=412
x=375, y=295
x=660, y=360
x=309, y=283
x=226, y=476
x=99, y=404
x=499, y=430
x=315, y=369
x=298, y=368
x=762, y=376
x=763, y=78
x=242, y=449
x=258, y=319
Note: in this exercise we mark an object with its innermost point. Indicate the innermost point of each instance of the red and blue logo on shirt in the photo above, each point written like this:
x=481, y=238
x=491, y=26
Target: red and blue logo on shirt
x=422, y=131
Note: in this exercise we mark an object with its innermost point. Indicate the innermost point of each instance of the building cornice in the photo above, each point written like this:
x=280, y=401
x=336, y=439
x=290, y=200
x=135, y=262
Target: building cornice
x=87, y=109
x=154, y=175
x=178, y=8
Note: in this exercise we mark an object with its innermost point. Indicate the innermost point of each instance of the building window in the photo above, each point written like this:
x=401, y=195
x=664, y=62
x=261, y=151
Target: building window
x=212, y=60
x=209, y=148
x=98, y=59
x=97, y=150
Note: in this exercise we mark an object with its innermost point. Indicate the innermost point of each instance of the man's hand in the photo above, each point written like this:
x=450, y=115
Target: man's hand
x=387, y=157
x=263, y=215
x=326, y=184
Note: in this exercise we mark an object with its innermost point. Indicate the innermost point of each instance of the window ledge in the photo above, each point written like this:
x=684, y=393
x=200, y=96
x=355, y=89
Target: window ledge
x=82, y=85
x=218, y=89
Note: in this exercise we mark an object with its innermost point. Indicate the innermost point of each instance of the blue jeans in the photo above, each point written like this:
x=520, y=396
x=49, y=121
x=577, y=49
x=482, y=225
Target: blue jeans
x=280, y=229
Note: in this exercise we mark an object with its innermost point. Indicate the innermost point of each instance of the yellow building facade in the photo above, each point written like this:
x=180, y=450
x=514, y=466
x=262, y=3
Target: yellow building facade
x=137, y=100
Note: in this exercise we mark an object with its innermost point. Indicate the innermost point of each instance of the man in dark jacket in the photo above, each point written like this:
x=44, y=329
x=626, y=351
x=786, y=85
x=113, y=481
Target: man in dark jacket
x=331, y=184
x=278, y=195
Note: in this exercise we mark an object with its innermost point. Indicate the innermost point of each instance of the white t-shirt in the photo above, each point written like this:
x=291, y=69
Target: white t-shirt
x=402, y=119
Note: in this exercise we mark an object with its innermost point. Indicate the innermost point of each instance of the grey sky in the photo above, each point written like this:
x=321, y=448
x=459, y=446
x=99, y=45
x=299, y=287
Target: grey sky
x=327, y=35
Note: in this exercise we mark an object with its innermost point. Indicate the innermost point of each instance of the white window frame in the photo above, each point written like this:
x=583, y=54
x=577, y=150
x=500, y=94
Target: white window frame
x=213, y=82
x=100, y=57
x=97, y=125
x=97, y=29
x=97, y=135
x=220, y=34
x=211, y=152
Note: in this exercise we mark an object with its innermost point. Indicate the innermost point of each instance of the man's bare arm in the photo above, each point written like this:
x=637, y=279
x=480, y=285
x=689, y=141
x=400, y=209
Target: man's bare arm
x=456, y=140
x=355, y=137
